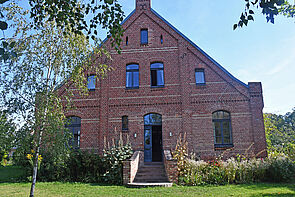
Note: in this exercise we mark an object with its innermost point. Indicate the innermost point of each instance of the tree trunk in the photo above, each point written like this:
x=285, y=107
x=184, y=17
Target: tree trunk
x=35, y=168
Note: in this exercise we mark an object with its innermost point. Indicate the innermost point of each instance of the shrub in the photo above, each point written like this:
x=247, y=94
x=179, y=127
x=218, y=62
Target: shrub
x=275, y=168
x=80, y=166
x=84, y=166
x=281, y=168
x=113, y=160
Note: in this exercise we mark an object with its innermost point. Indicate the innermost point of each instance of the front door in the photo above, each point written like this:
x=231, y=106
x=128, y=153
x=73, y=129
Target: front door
x=148, y=146
x=153, y=138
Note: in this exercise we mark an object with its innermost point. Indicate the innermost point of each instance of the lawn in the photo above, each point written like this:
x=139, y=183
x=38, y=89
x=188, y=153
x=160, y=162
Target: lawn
x=57, y=189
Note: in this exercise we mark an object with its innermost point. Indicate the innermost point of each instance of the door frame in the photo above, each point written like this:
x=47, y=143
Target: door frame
x=149, y=122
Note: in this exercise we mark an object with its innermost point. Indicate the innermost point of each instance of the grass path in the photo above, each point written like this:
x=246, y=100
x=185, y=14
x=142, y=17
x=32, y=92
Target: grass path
x=58, y=189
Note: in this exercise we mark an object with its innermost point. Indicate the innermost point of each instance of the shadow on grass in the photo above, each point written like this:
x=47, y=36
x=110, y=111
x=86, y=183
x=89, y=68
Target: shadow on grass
x=104, y=185
x=264, y=186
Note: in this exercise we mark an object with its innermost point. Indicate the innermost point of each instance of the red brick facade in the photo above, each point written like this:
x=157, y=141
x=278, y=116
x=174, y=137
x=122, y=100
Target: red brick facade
x=184, y=106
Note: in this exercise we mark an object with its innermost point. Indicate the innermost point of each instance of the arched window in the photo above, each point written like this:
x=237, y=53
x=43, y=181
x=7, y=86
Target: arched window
x=132, y=76
x=127, y=40
x=157, y=74
x=74, y=126
x=161, y=39
x=153, y=119
x=222, y=129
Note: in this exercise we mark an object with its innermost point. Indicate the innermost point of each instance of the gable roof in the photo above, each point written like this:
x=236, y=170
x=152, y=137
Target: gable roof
x=191, y=42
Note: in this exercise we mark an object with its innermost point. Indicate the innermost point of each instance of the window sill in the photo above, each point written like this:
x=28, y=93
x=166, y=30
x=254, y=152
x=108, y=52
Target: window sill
x=132, y=88
x=157, y=87
x=223, y=146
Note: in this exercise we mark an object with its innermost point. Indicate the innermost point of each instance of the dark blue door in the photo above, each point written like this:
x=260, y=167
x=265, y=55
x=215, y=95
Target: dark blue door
x=148, y=157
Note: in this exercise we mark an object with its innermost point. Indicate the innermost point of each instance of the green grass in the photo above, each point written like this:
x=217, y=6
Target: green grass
x=79, y=189
x=9, y=176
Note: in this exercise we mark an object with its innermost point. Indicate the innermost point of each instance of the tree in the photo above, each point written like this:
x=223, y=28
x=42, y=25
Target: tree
x=7, y=134
x=81, y=17
x=280, y=132
x=270, y=8
x=49, y=56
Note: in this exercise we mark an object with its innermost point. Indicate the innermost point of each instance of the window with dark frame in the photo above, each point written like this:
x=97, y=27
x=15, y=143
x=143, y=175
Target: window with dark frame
x=127, y=41
x=157, y=74
x=74, y=127
x=132, y=76
x=161, y=39
x=144, y=36
x=91, y=82
x=222, y=129
x=125, y=123
x=200, y=76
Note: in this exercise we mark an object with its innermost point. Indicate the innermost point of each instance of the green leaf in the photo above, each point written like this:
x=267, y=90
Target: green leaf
x=3, y=25
x=251, y=12
x=5, y=44
x=235, y=26
x=5, y=57
x=3, y=1
x=250, y=17
x=12, y=44
x=13, y=54
x=2, y=51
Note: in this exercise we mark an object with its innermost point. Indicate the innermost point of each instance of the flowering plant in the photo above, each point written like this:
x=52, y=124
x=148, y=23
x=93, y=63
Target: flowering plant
x=31, y=157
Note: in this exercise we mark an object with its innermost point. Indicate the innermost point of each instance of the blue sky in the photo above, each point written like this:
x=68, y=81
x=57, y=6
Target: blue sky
x=262, y=51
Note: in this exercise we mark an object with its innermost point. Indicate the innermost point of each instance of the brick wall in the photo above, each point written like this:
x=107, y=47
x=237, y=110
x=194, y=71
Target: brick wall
x=170, y=167
x=184, y=106
x=130, y=167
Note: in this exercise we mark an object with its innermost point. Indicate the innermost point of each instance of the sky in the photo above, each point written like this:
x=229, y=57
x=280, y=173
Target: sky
x=261, y=52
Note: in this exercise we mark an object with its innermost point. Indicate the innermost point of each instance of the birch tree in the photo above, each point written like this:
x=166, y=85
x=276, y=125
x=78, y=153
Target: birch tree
x=47, y=57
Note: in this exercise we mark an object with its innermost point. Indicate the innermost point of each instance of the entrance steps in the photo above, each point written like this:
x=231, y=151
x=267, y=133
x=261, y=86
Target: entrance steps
x=151, y=174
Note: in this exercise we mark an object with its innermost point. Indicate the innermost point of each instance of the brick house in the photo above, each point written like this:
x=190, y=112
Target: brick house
x=162, y=85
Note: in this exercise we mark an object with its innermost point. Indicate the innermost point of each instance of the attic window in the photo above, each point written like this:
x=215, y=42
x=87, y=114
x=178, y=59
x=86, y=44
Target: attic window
x=91, y=82
x=127, y=41
x=144, y=36
x=161, y=39
x=200, y=76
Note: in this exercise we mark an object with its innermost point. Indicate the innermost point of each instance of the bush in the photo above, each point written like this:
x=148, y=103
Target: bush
x=280, y=169
x=275, y=168
x=78, y=165
x=113, y=160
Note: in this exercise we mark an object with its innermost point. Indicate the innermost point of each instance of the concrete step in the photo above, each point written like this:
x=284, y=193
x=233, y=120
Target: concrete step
x=140, y=185
x=150, y=181
x=149, y=174
x=153, y=163
x=147, y=170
